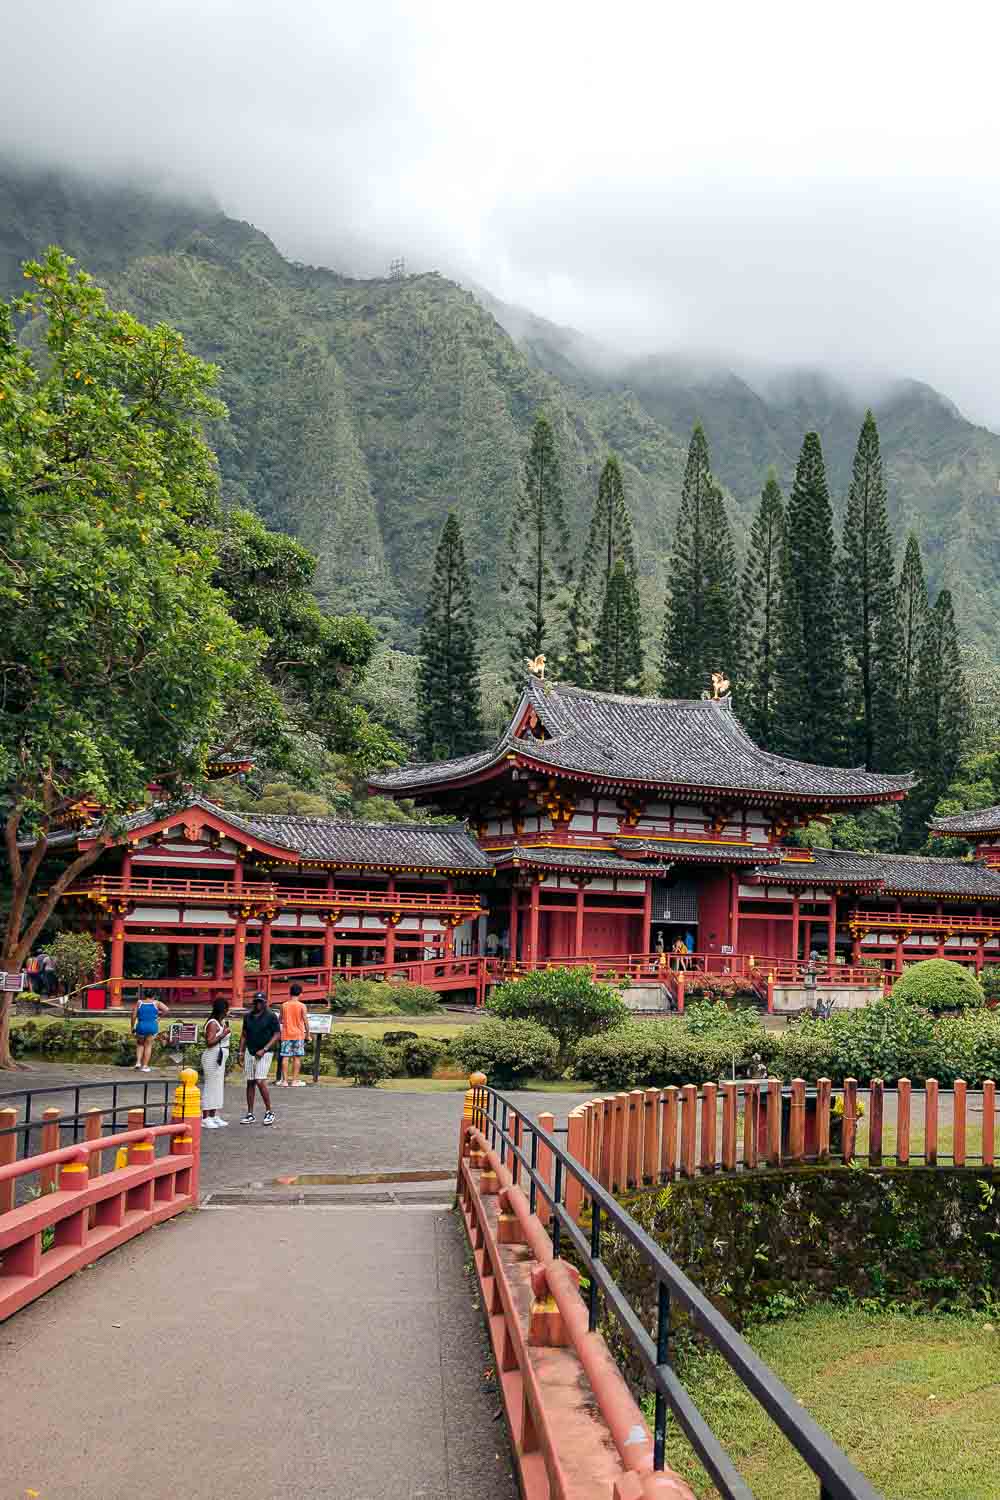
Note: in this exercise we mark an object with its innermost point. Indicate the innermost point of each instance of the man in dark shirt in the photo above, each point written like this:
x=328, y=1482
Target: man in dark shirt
x=261, y=1030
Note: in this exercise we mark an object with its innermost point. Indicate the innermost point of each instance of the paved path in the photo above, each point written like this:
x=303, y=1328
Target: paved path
x=331, y=1350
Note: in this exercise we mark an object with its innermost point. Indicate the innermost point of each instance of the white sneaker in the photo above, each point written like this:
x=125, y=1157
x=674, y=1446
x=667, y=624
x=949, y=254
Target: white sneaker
x=210, y=1124
x=299, y=1083
x=147, y=1070
x=220, y=1122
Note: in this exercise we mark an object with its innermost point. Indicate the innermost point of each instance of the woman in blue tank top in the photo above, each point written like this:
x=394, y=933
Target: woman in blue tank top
x=145, y=1024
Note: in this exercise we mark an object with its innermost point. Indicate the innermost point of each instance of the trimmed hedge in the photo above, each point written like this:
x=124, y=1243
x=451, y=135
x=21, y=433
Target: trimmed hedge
x=939, y=984
x=506, y=1051
x=379, y=997
x=885, y=1040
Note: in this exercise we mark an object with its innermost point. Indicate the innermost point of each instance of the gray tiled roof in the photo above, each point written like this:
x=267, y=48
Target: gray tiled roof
x=669, y=742
x=593, y=862
x=982, y=820
x=428, y=846
x=733, y=854
x=895, y=874
x=415, y=845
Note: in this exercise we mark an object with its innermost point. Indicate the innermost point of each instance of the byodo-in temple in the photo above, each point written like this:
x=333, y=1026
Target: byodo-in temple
x=646, y=835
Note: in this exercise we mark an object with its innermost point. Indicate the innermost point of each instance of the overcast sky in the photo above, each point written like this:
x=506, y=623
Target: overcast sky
x=786, y=183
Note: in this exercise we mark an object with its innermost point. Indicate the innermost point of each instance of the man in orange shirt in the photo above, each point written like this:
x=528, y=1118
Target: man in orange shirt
x=294, y=1028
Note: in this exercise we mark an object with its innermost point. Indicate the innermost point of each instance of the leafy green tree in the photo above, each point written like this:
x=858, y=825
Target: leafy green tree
x=538, y=566
x=938, y=984
x=699, y=635
x=940, y=718
x=76, y=956
x=618, y=663
x=809, y=679
x=118, y=654
x=761, y=604
x=877, y=830
x=914, y=608
x=314, y=665
x=976, y=784
x=869, y=608
x=567, y=1002
x=609, y=541
x=450, y=719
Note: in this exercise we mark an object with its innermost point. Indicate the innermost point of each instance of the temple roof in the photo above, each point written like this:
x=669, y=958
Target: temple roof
x=886, y=874
x=679, y=852
x=398, y=846
x=980, y=822
x=589, y=861
x=684, y=745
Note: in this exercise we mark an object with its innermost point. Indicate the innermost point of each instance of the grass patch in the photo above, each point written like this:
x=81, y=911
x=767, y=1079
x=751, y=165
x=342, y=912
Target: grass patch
x=913, y=1399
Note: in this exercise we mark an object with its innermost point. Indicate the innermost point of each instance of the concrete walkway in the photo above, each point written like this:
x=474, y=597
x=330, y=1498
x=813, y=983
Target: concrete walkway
x=270, y=1348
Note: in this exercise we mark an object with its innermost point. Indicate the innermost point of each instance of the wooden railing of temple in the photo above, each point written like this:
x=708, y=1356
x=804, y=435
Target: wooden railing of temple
x=269, y=893
x=907, y=922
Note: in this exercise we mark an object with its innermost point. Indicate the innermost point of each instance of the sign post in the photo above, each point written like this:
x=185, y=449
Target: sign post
x=319, y=1027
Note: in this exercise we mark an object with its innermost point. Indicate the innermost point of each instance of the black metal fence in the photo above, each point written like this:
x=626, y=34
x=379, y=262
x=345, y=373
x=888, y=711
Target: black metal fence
x=837, y=1478
x=154, y=1095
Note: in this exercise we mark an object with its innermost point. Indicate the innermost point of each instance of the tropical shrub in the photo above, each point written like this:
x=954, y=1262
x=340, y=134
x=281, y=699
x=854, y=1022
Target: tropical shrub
x=364, y=1059
x=938, y=984
x=364, y=997
x=566, y=1002
x=676, y=1052
x=506, y=1051
x=76, y=956
x=716, y=987
x=621, y=1059
x=420, y=1055
x=414, y=999
x=990, y=981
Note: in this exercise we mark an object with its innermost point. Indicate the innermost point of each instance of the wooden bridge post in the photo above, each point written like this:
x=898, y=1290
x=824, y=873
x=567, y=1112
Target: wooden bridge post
x=50, y=1142
x=989, y=1120
x=729, y=1127
x=903, y=1122
x=650, y=1137
x=668, y=1134
x=709, y=1117
x=958, y=1123
x=689, y=1128
x=8, y=1155
x=931, y=1122
x=576, y=1146
x=543, y=1166
x=773, y=1155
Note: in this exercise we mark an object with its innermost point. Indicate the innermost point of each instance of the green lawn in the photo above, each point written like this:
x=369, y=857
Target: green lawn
x=913, y=1400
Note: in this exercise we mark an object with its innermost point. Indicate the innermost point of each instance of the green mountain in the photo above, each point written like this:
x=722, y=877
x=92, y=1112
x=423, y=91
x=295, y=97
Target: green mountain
x=361, y=411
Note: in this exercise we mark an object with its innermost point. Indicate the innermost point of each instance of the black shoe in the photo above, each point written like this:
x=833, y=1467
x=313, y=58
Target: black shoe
x=249, y=1119
x=269, y=1117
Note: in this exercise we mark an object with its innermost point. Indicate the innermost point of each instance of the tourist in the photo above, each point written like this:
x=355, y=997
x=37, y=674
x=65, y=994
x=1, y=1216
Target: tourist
x=145, y=1024
x=213, y=1065
x=294, y=1028
x=681, y=954
x=261, y=1030
x=48, y=979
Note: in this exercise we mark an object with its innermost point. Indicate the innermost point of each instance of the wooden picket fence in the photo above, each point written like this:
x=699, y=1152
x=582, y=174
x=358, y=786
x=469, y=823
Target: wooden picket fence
x=648, y=1136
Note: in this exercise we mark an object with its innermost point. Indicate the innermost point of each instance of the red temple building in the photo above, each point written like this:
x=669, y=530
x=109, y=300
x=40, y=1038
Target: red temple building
x=597, y=827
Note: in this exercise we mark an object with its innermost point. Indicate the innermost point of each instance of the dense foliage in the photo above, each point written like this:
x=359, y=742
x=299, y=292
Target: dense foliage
x=567, y=1002
x=506, y=1051
x=617, y=666
x=699, y=632
x=759, y=601
x=372, y=997
x=450, y=719
x=76, y=956
x=609, y=542
x=538, y=568
x=938, y=984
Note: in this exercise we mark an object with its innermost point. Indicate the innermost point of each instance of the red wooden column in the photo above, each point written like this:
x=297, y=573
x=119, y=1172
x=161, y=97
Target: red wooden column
x=795, y=925
x=939, y=912
x=512, y=926
x=831, y=929
x=238, y=873
x=389, y=956
x=220, y=958
x=734, y=917
x=532, y=953
x=578, y=932
x=116, y=965
x=239, y=959
x=328, y=936
x=899, y=939
x=265, y=944
x=199, y=959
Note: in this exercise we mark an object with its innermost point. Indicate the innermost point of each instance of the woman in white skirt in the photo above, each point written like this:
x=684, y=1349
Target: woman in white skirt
x=213, y=1065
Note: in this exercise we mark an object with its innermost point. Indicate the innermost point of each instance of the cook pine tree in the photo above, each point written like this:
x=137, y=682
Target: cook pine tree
x=618, y=653
x=609, y=540
x=869, y=610
x=940, y=718
x=809, y=677
x=450, y=713
x=699, y=634
x=914, y=609
x=535, y=588
x=761, y=601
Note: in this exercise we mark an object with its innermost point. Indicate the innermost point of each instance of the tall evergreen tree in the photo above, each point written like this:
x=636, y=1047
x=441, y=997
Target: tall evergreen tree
x=618, y=655
x=761, y=603
x=913, y=608
x=940, y=717
x=538, y=567
x=609, y=538
x=699, y=635
x=450, y=714
x=809, y=680
x=868, y=608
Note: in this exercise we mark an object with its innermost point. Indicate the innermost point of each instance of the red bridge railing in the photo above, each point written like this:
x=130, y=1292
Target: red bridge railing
x=81, y=1210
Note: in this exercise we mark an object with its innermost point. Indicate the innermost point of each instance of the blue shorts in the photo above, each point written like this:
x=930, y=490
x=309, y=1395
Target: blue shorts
x=141, y=1035
x=295, y=1047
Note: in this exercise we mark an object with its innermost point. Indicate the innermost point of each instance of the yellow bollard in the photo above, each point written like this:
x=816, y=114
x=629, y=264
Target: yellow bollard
x=187, y=1097
x=469, y=1111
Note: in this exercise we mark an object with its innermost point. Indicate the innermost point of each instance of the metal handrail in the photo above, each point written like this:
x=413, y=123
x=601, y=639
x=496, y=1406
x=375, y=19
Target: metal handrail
x=150, y=1087
x=838, y=1477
